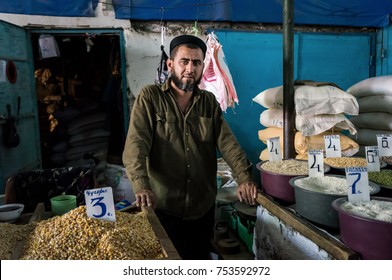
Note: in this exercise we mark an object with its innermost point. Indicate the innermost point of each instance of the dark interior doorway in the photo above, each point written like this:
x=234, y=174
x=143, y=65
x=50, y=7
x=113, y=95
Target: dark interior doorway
x=80, y=100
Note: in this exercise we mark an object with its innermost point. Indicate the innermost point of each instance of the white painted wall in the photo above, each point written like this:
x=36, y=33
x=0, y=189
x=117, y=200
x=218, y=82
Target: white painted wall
x=142, y=49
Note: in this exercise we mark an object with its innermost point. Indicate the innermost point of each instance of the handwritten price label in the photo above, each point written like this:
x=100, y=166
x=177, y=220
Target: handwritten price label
x=372, y=158
x=384, y=142
x=274, y=152
x=99, y=204
x=358, y=184
x=332, y=146
x=316, y=163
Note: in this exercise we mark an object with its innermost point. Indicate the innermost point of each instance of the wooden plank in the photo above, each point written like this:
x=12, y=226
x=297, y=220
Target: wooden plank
x=167, y=245
x=326, y=242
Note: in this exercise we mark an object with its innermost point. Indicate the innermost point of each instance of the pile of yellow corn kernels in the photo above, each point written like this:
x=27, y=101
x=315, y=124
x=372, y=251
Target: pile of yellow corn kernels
x=78, y=237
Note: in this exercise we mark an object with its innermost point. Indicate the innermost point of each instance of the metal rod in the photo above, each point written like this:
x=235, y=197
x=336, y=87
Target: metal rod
x=288, y=80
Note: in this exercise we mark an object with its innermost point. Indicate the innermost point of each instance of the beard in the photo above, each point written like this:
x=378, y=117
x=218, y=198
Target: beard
x=185, y=86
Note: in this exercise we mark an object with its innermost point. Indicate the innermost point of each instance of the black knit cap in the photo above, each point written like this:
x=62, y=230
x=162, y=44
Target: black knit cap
x=188, y=39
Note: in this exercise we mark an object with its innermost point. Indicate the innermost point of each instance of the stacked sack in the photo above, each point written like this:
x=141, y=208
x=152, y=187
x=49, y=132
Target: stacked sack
x=320, y=109
x=374, y=96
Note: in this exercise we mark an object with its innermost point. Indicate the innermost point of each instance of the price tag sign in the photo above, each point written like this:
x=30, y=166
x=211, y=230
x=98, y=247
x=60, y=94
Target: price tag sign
x=358, y=184
x=99, y=203
x=384, y=143
x=372, y=158
x=316, y=163
x=274, y=152
x=332, y=146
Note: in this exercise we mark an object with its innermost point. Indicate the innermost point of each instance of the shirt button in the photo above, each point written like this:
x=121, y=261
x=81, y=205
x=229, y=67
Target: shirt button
x=189, y=180
x=188, y=166
x=187, y=134
x=187, y=149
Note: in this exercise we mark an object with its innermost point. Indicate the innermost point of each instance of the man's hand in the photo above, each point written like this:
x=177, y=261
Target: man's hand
x=145, y=198
x=247, y=192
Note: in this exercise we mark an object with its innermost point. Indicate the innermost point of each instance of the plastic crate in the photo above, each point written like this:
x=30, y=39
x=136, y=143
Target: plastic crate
x=245, y=233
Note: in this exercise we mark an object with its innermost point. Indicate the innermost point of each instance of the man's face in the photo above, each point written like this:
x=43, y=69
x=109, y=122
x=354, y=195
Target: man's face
x=186, y=68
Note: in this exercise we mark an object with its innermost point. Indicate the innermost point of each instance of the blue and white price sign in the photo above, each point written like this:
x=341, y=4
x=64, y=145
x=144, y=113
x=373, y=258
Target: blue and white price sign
x=384, y=143
x=99, y=203
x=357, y=183
x=372, y=158
x=316, y=163
x=332, y=146
x=273, y=146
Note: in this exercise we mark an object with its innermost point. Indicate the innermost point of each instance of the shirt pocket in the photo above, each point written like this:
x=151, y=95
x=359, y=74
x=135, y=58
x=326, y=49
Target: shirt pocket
x=166, y=126
x=204, y=130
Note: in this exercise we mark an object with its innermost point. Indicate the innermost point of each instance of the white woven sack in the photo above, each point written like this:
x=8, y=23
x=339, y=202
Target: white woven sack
x=371, y=86
x=270, y=98
x=308, y=125
x=311, y=100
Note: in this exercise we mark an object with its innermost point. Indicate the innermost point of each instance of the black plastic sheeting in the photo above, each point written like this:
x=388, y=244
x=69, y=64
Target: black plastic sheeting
x=358, y=13
x=65, y=8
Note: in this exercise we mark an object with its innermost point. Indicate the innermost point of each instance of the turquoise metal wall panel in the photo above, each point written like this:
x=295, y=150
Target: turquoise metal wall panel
x=255, y=61
x=337, y=58
x=15, y=46
x=383, y=55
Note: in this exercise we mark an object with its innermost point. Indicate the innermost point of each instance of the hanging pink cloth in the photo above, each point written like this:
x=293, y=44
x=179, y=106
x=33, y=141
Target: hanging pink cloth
x=216, y=75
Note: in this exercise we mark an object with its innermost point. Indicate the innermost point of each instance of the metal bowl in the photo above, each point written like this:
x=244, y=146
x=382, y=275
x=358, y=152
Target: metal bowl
x=10, y=212
x=316, y=206
x=277, y=185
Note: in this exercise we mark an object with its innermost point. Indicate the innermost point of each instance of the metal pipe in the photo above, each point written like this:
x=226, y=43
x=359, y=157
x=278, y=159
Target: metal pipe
x=288, y=80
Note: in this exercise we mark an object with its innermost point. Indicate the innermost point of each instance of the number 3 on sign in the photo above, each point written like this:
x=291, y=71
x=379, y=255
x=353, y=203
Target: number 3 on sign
x=99, y=204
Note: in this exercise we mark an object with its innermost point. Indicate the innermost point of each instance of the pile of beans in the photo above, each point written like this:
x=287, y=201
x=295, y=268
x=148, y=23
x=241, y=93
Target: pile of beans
x=343, y=162
x=383, y=177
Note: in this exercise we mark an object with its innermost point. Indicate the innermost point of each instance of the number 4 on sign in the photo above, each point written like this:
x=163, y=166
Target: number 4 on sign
x=332, y=146
x=99, y=204
x=273, y=145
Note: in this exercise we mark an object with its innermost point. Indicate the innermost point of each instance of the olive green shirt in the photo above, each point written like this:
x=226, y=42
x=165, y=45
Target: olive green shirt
x=175, y=155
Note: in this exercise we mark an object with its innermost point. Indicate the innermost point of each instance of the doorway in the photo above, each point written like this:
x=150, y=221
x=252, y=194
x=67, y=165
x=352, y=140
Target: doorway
x=81, y=96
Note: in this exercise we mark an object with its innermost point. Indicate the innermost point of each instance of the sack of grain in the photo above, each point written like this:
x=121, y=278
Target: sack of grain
x=302, y=144
x=308, y=124
x=311, y=100
x=373, y=120
x=367, y=136
x=375, y=103
x=381, y=85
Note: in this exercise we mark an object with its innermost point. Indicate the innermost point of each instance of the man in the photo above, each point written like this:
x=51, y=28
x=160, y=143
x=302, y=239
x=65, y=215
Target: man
x=170, y=152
